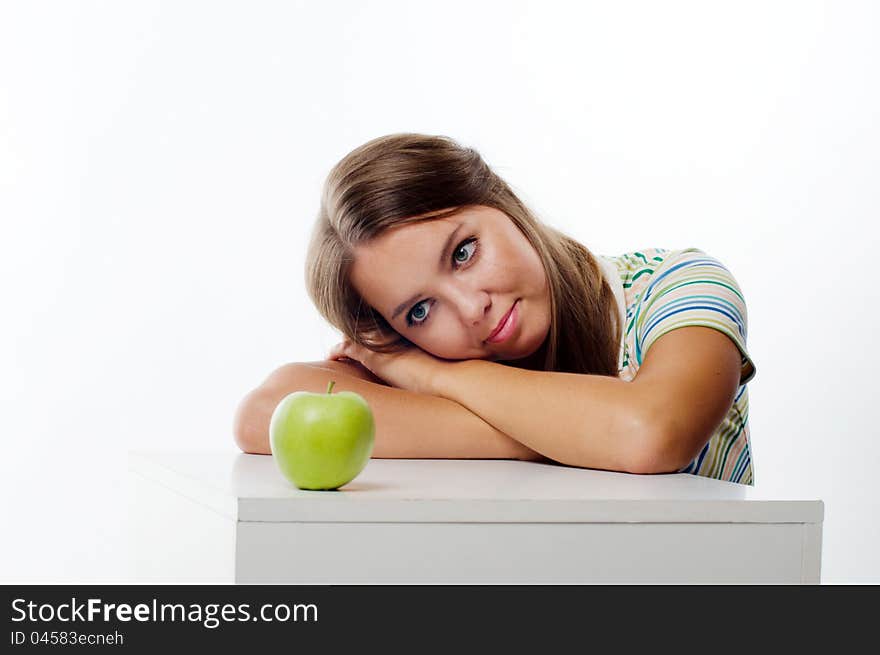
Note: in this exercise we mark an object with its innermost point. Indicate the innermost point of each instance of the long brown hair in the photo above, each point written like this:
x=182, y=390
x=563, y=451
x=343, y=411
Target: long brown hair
x=397, y=179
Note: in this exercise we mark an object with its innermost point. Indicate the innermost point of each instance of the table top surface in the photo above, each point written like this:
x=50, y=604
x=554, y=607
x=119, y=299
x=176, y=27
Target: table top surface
x=248, y=487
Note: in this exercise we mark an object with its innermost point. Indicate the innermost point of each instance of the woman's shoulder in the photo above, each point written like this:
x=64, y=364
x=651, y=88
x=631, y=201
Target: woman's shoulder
x=637, y=266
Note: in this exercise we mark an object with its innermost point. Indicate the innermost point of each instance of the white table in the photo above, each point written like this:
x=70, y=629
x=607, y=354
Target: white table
x=224, y=517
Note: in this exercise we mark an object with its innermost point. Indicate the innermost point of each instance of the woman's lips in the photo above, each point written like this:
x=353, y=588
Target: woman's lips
x=507, y=326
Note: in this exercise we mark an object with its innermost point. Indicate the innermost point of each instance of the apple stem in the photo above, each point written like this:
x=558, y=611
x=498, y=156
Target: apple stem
x=330, y=386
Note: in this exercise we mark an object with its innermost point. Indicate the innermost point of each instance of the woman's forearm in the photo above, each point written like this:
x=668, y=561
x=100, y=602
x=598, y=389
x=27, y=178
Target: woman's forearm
x=581, y=420
x=408, y=424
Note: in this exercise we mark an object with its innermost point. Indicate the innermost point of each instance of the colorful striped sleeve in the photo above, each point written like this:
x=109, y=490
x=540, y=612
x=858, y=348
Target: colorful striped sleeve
x=693, y=288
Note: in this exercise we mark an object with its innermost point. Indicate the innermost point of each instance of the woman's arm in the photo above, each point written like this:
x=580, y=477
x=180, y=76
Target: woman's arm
x=408, y=424
x=592, y=421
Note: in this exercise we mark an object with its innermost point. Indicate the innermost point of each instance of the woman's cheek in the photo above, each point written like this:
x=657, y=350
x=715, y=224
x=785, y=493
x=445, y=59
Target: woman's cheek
x=452, y=349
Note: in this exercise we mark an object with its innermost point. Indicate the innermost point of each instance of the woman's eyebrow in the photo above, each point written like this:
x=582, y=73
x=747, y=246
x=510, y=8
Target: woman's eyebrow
x=450, y=240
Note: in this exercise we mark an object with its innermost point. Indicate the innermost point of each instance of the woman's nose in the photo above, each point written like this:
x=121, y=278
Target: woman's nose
x=473, y=308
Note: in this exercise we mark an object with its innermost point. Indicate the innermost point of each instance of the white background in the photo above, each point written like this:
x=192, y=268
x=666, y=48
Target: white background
x=160, y=170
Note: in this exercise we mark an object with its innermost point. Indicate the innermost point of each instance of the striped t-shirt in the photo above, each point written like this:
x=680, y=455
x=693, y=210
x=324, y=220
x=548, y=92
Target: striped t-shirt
x=659, y=290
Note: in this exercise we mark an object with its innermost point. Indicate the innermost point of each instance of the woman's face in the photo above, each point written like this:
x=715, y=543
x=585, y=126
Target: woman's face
x=445, y=284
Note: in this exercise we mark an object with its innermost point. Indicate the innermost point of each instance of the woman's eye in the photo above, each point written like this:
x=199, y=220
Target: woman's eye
x=461, y=248
x=417, y=315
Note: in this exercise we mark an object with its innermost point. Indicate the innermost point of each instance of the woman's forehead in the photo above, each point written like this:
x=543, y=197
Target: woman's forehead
x=428, y=227
x=402, y=265
x=423, y=231
x=400, y=251
x=407, y=254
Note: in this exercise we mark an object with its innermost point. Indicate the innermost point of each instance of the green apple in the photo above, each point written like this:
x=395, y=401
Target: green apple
x=322, y=441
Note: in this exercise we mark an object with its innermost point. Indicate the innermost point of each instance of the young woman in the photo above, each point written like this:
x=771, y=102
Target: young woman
x=475, y=331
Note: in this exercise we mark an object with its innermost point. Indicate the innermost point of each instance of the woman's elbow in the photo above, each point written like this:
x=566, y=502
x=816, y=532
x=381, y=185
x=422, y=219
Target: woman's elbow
x=250, y=425
x=653, y=455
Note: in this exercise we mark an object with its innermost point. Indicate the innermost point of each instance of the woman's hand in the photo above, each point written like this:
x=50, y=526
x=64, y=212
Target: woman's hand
x=412, y=369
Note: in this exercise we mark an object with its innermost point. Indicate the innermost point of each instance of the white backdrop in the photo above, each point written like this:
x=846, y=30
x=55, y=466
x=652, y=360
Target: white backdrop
x=160, y=170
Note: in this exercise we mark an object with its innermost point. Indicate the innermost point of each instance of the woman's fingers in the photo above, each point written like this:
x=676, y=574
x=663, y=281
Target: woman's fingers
x=337, y=351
